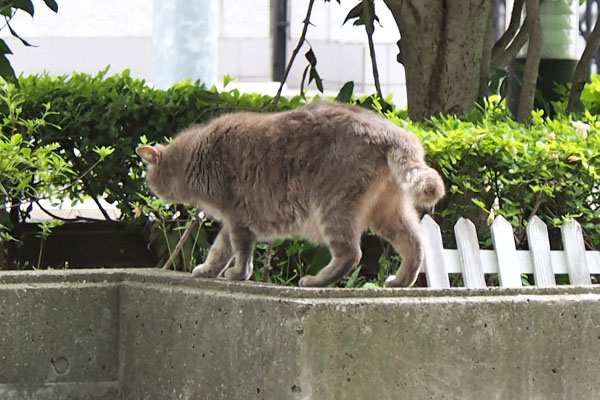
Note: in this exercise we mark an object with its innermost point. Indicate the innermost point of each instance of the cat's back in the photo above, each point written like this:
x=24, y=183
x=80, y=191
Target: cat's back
x=317, y=123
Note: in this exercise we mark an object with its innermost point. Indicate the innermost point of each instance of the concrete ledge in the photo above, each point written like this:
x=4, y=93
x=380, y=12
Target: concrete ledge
x=149, y=334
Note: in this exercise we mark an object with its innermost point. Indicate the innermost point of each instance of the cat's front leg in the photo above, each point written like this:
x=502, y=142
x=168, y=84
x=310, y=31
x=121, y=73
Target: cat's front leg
x=243, y=241
x=219, y=256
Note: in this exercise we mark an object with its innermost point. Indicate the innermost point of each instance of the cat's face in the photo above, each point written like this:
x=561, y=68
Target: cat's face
x=160, y=174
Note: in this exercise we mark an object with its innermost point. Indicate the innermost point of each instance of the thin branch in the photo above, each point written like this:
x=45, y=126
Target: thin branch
x=508, y=36
x=80, y=177
x=54, y=216
x=41, y=251
x=301, y=41
x=532, y=62
x=537, y=204
x=501, y=59
x=182, y=240
x=88, y=188
x=583, y=66
x=370, y=28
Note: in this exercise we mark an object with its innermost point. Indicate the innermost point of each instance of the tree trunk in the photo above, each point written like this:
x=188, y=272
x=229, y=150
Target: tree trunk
x=442, y=47
x=532, y=63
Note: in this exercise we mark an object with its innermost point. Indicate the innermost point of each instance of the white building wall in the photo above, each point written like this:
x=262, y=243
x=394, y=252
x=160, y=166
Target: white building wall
x=88, y=35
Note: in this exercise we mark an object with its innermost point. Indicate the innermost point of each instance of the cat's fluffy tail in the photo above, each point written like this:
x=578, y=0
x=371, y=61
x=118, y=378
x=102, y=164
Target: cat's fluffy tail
x=424, y=184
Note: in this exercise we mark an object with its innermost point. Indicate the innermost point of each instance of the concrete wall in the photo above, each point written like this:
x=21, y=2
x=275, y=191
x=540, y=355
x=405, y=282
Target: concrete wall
x=146, y=334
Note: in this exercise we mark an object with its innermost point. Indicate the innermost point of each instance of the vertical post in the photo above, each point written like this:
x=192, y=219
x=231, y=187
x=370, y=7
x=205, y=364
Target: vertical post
x=279, y=24
x=506, y=253
x=468, y=253
x=184, y=41
x=435, y=266
x=539, y=248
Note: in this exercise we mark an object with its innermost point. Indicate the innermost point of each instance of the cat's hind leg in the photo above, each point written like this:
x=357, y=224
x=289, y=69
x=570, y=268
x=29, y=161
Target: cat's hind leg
x=344, y=244
x=219, y=256
x=401, y=228
x=243, y=241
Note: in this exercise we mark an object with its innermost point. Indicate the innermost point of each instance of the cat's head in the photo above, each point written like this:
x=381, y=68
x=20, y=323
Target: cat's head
x=163, y=173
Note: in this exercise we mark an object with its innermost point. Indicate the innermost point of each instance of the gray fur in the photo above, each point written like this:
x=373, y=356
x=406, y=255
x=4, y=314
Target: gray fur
x=325, y=172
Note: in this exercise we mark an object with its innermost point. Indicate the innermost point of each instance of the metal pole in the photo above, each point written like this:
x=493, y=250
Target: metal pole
x=279, y=24
x=184, y=41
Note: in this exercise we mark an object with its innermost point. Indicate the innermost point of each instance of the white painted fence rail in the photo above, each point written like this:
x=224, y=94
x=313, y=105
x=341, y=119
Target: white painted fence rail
x=509, y=263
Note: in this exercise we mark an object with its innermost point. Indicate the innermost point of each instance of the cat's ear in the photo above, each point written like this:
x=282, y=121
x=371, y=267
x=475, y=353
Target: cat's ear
x=149, y=154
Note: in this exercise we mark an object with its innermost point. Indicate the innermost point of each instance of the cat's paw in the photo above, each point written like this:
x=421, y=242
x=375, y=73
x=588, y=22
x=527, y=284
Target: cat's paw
x=238, y=274
x=392, y=281
x=309, y=281
x=397, y=281
x=204, y=271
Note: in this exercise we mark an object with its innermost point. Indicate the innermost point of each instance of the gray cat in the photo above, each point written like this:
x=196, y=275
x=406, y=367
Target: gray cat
x=325, y=172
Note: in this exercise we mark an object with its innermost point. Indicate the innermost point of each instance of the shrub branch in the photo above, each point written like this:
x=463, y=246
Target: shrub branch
x=301, y=41
x=370, y=28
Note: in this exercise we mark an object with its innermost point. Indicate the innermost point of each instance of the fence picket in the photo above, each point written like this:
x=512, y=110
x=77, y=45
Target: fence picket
x=572, y=237
x=435, y=266
x=468, y=252
x=539, y=248
x=506, y=253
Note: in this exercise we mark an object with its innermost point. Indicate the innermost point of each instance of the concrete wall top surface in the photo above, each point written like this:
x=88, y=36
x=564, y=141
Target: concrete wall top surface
x=152, y=276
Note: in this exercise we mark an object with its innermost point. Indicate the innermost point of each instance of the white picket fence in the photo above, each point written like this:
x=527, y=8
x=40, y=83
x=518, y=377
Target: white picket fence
x=505, y=260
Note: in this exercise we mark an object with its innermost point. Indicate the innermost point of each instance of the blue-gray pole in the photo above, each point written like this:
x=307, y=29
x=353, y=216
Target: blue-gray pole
x=184, y=41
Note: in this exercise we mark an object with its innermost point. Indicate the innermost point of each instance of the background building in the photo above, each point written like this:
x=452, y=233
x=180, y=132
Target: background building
x=88, y=35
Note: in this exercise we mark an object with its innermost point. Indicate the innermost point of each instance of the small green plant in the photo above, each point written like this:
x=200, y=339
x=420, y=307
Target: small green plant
x=46, y=228
x=167, y=224
x=32, y=166
x=27, y=172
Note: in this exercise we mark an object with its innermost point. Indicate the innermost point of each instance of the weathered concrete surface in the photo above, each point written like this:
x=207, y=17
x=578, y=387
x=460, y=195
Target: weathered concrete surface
x=58, y=341
x=167, y=336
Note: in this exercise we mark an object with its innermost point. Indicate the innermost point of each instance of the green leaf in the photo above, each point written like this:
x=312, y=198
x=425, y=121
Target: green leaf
x=6, y=71
x=345, y=93
x=227, y=79
x=370, y=285
x=311, y=57
x=303, y=80
x=4, y=49
x=12, y=31
x=356, y=12
x=52, y=5
x=208, y=96
x=314, y=75
x=104, y=151
x=24, y=5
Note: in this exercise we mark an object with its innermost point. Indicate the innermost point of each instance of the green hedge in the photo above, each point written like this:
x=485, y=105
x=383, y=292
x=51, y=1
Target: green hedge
x=549, y=169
